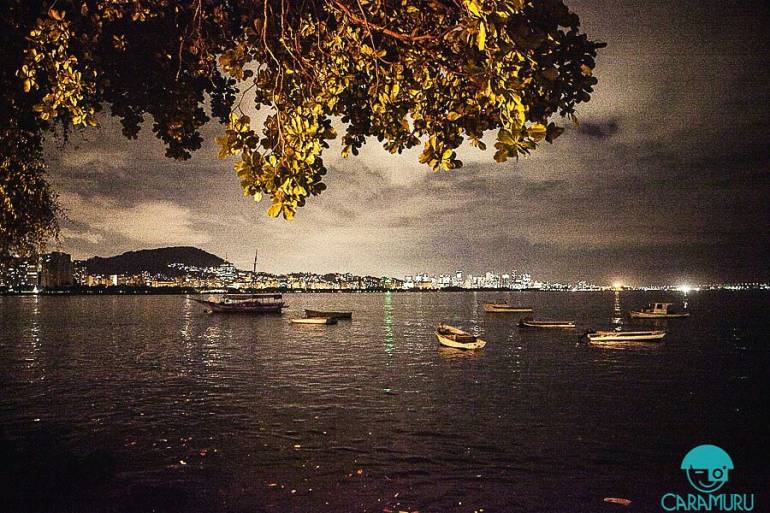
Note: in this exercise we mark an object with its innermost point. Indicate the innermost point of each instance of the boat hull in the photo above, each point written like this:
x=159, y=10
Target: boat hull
x=250, y=308
x=608, y=337
x=649, y=315
x=315, y=320
x=547, y=325
x=448, y=342
x=502, y=308
x=330, y=315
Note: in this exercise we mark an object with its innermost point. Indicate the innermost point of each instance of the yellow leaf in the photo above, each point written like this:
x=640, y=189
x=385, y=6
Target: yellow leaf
x=537, y=131
x=274, y=210
x=473, y=7
x=481, y=38
x=394, y=91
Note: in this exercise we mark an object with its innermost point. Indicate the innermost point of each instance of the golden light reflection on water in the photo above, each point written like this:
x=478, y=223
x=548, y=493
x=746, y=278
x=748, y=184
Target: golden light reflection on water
x=32, y=354
x=628, y=346
x=388, y=322
x=187, y=317
x=211, y=352
x=617, y=309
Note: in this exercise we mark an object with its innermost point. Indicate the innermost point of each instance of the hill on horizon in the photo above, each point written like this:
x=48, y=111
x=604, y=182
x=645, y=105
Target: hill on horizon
x=152, y=260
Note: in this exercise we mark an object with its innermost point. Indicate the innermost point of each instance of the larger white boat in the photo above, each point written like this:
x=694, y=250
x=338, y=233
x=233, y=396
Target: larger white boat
x=244, y=303
x=658, y=311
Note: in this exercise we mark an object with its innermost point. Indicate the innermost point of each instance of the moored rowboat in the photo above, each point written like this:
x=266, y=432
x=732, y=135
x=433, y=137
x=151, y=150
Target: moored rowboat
x=505, y=308
x=328, y=314
x=601, y=337
x=450, y=336
x=315, y=320
x=546, y=324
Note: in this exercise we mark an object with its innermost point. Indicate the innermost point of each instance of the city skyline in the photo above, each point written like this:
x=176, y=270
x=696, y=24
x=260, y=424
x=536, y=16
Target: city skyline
x=679, y=279
x=58, y=271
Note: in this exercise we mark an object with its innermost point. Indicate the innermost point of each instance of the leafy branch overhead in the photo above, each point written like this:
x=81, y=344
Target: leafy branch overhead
x=407, y=72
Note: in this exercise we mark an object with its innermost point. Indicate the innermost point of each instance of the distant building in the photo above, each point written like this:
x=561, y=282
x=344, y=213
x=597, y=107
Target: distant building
x=19, y=273
x=227, y=273
x=392, y=283
x=55, y=270
x=161, y=283
x=425, y=284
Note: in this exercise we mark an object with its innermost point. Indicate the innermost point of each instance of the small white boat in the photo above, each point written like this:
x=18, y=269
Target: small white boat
x=529, y=322
x=450, y=336
x=604, y=337
x=658, y=311
x=505, y=308
x=315, y=320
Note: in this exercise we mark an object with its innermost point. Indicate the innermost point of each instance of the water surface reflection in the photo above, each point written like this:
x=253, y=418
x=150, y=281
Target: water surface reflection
x=178, y=410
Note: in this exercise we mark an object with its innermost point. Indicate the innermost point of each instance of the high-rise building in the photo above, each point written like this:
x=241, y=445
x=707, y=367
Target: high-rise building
x=55, y=270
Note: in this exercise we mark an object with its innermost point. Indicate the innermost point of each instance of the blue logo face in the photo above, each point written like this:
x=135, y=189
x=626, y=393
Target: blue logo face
x=707, y=468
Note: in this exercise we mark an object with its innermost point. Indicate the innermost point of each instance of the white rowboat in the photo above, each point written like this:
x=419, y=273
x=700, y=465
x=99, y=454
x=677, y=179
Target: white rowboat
x=450, y=336
x=505, y=308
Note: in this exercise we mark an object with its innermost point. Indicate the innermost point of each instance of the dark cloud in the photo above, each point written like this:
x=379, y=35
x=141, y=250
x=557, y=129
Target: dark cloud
x=599, y=130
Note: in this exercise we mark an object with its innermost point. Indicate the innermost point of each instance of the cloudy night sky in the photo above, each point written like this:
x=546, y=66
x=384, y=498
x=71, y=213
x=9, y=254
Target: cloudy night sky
x=665, y=180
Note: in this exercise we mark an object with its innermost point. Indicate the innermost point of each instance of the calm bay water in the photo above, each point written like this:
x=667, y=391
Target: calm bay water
x=148, y=404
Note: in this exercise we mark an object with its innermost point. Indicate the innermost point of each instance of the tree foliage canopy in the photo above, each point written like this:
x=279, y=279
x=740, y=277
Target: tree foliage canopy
x=406, y=72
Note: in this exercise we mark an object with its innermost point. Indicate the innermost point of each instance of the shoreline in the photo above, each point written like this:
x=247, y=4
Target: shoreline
x=186, y=291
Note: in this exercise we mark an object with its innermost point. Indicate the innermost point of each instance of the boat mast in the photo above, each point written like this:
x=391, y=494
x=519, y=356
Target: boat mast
x=254, y=269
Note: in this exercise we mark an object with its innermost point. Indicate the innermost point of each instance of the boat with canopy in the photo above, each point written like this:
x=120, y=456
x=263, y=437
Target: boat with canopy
x=658, y=311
